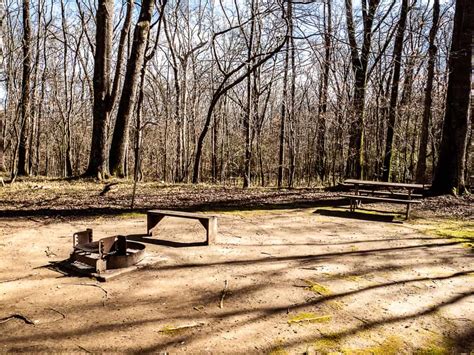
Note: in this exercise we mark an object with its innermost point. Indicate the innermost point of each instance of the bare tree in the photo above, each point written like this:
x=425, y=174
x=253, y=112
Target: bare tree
x=101, y=110
x=22, y=168
x=421, y=164
x=449, y=173
x=120, y=138
x=392, y=112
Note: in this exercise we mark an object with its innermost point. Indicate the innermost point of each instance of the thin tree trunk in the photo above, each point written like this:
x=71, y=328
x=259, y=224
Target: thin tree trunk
x=392, y=113
x=323, y=97
x=421, y=164
x=355, y=159
x=120, y=137
x=291, y=112
x=22, y=168
x=248, y=121
x=283, y=109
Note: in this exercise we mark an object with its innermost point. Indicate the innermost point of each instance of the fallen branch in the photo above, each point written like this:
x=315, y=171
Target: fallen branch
x=223, y=294
x=106, y=294
x=17, y=316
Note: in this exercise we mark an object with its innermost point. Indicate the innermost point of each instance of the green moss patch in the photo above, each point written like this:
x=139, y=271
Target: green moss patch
x=302, y=318
x=326, y=345
x=390, y=346
x=460, y=231
x=318, y=288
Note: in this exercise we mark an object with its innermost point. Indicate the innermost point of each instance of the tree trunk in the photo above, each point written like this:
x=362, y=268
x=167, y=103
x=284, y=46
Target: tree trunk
x=101, y=110
x=421, y=164
x=127, y=100
x=248, y=121
x=291, y=111
x=355, y=159
x=283, y=109
x=392, y=113
x=22, y=168
x=323, y=97
x=449, y=172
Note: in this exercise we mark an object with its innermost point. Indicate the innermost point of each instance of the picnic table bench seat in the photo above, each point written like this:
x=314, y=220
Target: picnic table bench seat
x=397, y=194
x=356, y=199
x=209, y=222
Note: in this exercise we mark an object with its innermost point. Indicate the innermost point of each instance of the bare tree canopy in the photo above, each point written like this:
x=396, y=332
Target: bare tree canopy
x=252, y=92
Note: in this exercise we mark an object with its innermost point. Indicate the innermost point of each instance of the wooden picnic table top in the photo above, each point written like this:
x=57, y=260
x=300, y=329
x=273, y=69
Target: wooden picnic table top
x=384, y=184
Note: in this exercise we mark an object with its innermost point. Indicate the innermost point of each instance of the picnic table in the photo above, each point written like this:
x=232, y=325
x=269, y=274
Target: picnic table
x=379, y=191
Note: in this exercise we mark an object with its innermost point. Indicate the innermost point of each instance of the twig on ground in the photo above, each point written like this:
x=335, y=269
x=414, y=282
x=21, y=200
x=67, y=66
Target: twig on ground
x=17, y=316
x=106, y=294
x=302, y=286
x=84, y=349
x=58, y=312
x=223, y=294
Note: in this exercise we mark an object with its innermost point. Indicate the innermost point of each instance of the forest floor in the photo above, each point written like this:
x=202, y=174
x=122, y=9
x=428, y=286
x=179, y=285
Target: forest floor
x=302, y=273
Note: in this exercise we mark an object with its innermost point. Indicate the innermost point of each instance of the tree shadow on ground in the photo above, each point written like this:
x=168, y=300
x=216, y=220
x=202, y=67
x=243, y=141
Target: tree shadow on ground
x=262, y=312
x=297, y=201
x=144, y=238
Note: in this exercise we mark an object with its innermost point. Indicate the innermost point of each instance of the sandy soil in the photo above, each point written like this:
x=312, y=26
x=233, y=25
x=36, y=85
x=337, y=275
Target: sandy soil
x=298, y=281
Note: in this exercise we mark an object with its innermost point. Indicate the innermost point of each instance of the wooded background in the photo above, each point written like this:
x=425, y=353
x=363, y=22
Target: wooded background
x=254, y=92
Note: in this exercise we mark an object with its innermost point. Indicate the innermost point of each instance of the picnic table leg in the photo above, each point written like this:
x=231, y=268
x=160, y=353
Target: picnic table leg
x=211, y=229
x=408, y=210
x=151, y=221
x=357, y=203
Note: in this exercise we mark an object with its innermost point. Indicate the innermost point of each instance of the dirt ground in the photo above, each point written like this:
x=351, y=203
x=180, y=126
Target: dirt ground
x=298, y=280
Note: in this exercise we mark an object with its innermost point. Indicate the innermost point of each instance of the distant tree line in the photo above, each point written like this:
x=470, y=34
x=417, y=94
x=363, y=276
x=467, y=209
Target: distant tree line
x=259, y=92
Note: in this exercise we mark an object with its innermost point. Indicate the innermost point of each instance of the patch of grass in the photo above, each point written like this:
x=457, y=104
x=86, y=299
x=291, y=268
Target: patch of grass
x=130, y=215
x=437, y=345
x=170, y=330
x=391, y=346
x=432, y=350
x=353, y=278
x=278, y=351
x=336, y=305
x=309, y=318
x=459, y=231
x=318, y=288
x=326, y=345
